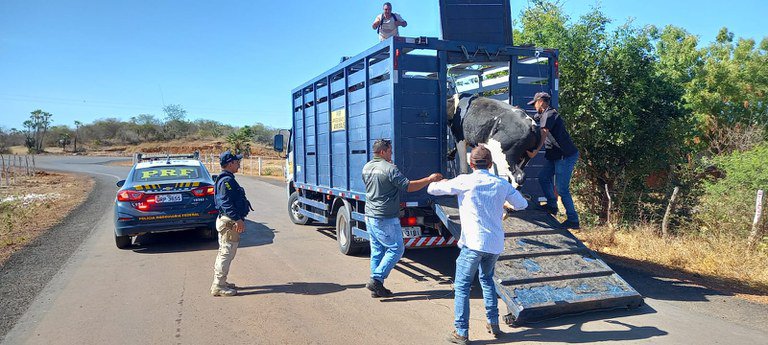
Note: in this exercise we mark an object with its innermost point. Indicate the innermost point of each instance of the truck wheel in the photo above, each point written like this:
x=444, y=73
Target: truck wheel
x=344, y=236
x=210, y=233
x=293, y=210
x=123, y=242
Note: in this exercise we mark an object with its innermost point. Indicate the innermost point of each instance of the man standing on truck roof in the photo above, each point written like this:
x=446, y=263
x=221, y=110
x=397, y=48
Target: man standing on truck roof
x=233, y=206
x=386, y=23
x=383, y=185
x=482, y=198
x=561, y=155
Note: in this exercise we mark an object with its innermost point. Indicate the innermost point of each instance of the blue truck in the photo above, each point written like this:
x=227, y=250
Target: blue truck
x=397, y=90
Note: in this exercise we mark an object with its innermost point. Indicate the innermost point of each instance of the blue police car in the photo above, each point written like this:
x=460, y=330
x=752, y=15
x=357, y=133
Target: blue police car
x=162, y=194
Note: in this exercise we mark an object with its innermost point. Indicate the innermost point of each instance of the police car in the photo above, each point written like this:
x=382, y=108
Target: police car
x=165, y=193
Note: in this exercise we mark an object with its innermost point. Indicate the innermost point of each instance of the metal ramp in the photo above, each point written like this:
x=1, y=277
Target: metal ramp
x=545, y=271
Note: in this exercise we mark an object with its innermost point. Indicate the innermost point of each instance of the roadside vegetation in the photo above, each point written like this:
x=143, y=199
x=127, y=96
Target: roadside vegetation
x=652, y=110
x=36, y=203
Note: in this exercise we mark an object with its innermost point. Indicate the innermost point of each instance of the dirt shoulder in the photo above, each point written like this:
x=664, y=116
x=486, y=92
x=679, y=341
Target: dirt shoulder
x=34, y=204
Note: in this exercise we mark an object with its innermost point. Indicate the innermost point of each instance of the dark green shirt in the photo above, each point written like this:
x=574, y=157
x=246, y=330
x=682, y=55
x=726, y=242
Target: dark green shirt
x=383, y=184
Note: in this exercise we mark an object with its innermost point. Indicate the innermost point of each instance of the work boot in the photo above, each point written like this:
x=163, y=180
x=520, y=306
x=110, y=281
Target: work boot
x=493, y=329
x=457, y=339
x=377, y=289
x=570, y=224
x=223, y=291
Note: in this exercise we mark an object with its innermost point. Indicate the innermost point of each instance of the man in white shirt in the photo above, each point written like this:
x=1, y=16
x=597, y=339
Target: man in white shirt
x=386, y=23
x=482, y=198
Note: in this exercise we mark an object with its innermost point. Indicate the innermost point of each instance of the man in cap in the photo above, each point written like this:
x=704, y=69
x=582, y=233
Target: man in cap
x=561, y=156
x=233, y=207
x=482, y=198
x=386, y=23
x=383, y=185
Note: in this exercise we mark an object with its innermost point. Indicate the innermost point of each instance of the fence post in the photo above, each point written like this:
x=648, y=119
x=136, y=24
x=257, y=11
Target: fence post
x=670, y=206
x=34, y=166
x=259, y=166
x=756, y=234
x=2, y=172
x=26, y=164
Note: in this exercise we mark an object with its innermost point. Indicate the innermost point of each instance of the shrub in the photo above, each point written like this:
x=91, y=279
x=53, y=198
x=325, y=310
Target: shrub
x=728, y=205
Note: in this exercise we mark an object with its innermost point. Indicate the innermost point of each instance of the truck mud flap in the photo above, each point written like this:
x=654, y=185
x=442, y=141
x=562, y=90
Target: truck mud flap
x=545, y=272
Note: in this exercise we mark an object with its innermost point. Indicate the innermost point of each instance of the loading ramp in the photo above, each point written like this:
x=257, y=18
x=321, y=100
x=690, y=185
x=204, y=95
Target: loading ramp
x=545, y=271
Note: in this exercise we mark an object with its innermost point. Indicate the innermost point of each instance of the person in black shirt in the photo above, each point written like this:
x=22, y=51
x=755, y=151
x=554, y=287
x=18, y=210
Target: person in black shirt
x=233, y=206
x=561, y=156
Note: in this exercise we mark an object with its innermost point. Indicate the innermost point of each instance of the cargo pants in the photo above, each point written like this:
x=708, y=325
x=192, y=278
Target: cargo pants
x=229, y=239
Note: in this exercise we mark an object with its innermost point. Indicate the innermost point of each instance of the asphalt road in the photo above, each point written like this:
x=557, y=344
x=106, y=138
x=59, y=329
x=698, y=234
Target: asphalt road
x=75, y=287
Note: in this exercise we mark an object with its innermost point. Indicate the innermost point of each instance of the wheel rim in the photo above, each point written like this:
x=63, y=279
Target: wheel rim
x=295, y=211
x=341, y=225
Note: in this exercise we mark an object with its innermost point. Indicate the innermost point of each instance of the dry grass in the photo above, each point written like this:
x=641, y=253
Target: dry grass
x=726, y=263
x=21, y=222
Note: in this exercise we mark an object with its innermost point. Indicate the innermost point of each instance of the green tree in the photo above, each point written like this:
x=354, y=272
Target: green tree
x=35, y=130
x=240, y=141
x=176, y=125
x=620, y=109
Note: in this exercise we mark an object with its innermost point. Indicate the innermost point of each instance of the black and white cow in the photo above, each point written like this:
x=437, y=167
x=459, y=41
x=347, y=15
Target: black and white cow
x=506, y=130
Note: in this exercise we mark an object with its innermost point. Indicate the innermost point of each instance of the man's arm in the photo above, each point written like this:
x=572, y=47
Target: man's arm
x=515, y=199
x=421, y=183
x=377, y=22
x=544, y=134
x=444, y=187
x=400, y=22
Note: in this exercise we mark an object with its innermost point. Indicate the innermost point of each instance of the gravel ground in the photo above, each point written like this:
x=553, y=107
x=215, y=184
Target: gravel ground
x=27, y=271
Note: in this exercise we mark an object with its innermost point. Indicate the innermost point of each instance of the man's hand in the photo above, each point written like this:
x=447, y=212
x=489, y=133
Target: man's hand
x=436, y=177
x=531, y=154
x=240, y=226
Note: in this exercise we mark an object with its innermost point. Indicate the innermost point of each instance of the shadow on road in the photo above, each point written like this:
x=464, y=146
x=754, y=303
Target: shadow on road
x=297, y=288
x=575, y=335
x=256, y=234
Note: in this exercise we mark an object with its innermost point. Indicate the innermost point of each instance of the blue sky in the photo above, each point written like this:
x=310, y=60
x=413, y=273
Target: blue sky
x=234, y=61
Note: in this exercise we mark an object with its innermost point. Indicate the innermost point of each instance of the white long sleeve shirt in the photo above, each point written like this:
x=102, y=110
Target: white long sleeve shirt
x=481, y=207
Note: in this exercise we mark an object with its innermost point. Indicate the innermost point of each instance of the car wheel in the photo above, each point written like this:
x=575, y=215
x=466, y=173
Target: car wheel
x=293, y=210
x=123, y=242
x=210, y=233
x=344, y=235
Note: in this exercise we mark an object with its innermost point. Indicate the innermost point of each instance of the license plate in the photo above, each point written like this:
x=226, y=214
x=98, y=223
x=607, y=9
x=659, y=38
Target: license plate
x=411, y=231
x=163, y=198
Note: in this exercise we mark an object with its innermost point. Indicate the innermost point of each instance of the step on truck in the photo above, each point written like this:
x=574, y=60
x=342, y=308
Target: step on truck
x=397, y=90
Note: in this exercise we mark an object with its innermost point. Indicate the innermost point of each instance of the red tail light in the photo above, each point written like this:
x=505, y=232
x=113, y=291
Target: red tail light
x=203, y=191
x=129, y=195
x=397, y=56
x=145, y=205
x=557, y=69
x=409, y=221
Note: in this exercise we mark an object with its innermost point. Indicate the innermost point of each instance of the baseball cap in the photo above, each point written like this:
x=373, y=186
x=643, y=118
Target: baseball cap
x=227, y=157
x=538, y=96
x=481, y=157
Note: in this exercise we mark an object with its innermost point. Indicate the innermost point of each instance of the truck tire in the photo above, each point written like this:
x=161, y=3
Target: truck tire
x=123, y=242
x=210, y=233
x=293, y=210
x=344, y=235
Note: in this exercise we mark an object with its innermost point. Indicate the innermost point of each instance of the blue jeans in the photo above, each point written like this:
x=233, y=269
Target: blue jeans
x=562, y=171
x=386, y=245
x=467, y=265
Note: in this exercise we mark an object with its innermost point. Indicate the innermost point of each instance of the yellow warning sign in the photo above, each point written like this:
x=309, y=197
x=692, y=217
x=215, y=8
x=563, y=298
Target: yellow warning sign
x=338, y=120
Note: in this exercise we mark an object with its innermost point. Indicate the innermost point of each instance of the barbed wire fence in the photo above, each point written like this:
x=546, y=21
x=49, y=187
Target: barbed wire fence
x=15, y=167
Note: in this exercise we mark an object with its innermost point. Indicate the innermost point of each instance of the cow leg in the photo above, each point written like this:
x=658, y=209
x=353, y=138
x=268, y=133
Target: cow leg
x=499, y=159
x=461, y=147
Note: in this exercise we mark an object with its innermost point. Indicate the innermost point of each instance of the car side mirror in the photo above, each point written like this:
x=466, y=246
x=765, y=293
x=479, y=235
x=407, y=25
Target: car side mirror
x=120, y=183
x=215, y=177
x=278, y=143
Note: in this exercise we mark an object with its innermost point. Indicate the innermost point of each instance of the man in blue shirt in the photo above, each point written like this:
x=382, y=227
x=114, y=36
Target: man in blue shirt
x=561, y=156
x=482, y=199
x=233, y=207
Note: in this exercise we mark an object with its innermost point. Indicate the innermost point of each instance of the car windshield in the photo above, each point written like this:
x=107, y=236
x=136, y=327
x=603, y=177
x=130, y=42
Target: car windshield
x=164, y=173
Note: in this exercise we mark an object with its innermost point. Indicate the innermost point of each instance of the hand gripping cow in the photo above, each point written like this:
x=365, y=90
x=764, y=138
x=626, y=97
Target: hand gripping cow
x=506, y=130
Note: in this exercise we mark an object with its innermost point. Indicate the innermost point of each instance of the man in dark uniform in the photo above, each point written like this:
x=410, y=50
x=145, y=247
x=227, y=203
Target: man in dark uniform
x=561, y=156
x=233, y=207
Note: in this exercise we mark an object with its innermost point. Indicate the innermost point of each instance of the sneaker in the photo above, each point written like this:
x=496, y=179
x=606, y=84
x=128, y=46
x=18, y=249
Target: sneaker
x=223, y=291
x=493, y=329
x=457, y=339
x=377, y=289
x=569, y=224
x=230, y=285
